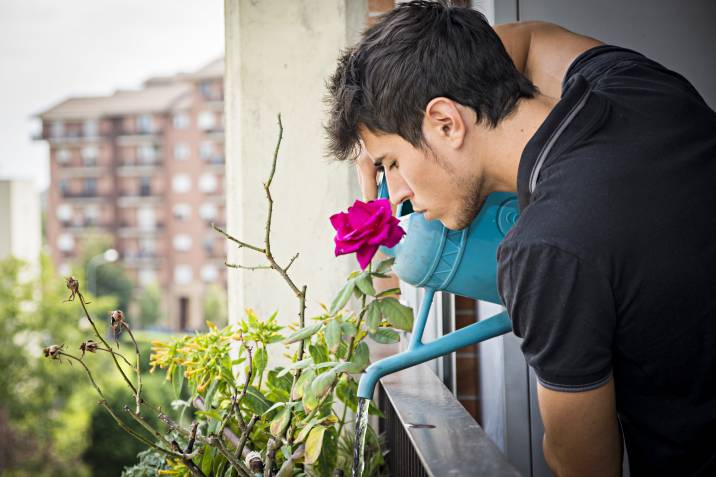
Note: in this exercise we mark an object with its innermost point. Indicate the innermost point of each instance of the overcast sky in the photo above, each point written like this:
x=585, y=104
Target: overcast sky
x=52, y=49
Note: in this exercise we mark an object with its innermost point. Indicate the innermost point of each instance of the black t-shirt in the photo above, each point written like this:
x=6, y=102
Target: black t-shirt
x=611, y=268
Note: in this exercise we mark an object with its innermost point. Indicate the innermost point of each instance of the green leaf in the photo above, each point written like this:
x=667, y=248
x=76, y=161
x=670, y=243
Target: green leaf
x=279, y=383
x=178, y=380
x=342, y=298
x=260, y=361
x=365, y=284
x=322, y=384
x=319, y=353
x=329, y=452
x=348, y=329
x=314, y=443
x=333, y=334
x=303, y=333
x=207, y=459
x=397, y=314
x=255, y=401
x=310, y=401
x=360, y=358
x=385, y=265
x=306, y=429
x=303, y=380
x=389, y=291
x=297, y=365
x=347, y=392
x=385, y=336
x=372, y=316
x=210, y=414
x=280, y=422
x=209, y=396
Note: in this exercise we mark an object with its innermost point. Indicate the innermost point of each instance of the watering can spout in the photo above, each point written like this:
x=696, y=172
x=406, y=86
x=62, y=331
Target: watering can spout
x=418, y=352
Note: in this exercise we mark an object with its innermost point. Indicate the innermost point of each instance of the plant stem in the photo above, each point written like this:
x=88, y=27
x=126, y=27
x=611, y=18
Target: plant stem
x=101, y=338
x=137, y=395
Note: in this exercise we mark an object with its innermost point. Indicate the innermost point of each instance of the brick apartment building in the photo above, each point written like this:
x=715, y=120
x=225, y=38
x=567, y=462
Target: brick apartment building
x=145, y=167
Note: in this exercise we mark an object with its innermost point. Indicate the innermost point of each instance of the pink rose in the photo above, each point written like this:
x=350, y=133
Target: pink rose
x=364, y=228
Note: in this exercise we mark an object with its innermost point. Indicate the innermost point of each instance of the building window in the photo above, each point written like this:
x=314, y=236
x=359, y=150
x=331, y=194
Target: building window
x=180, y=120
x=91, y=215
x=208, y=211
x=145, y=124
x=57, y=129
x=64, y=187
x=182, y=242
x=90, y=186
x=208, y=245
x=205, y=89
x=91, y=128
x=147, y=276
x=146, y=154
x=146, y=218
x=64, y=213
x=63, y=155
x=147, y=247
x=145, y=186
x=181, y=183
x=89, y=156
x=182, y=211
x=209, y=273
x=65, y=242
x=208, y=183
x=206, y=150
x=206, y=120
x=182, y=274
x=181, y=152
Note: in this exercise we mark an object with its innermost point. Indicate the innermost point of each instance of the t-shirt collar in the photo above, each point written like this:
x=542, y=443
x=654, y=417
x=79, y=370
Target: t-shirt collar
x=574, y=94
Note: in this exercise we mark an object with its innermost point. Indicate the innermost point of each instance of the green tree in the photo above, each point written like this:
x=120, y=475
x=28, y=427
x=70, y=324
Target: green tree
x=215, y=307
x=150, y=304
x=108, y=278
x=43, y=415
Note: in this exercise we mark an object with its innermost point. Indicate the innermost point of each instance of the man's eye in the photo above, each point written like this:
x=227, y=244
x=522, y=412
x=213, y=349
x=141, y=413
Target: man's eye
x=393, y=165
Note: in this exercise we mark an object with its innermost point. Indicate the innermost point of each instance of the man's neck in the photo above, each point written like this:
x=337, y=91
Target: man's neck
x=500, y=149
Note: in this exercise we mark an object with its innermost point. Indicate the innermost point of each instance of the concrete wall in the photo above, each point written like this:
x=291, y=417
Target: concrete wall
x=19, y=221
x=278, y=56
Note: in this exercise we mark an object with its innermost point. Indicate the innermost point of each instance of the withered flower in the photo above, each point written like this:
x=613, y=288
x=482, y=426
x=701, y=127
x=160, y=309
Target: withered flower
x=53, y=351
x=74, y=286
x=116, y=321
x=254, y=462
x=90, y=346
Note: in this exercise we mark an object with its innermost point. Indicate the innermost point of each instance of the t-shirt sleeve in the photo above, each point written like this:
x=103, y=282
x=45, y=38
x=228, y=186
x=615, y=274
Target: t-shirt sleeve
x=563, y=309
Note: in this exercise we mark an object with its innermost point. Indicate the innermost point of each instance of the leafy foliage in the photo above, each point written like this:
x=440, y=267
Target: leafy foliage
x=294, y=405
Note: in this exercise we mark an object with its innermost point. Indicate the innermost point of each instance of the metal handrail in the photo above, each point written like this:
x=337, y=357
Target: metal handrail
x=431, y=434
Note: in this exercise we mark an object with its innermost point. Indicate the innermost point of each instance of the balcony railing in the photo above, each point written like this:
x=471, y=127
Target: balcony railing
x=81, y=194
x=430, y=433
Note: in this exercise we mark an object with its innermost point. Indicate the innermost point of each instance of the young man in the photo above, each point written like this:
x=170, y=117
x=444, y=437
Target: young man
x=609, y=273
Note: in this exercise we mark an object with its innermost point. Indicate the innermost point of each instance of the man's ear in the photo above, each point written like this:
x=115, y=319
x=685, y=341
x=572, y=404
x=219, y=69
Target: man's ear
x=443, y=121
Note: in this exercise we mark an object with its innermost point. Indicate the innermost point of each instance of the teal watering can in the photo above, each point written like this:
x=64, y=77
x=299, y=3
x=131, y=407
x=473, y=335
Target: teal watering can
x=463, y=262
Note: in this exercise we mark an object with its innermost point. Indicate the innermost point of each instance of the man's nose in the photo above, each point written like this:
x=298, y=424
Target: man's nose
x=398, y=189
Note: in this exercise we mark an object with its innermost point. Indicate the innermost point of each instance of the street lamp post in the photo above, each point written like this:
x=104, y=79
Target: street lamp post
x=108, y=256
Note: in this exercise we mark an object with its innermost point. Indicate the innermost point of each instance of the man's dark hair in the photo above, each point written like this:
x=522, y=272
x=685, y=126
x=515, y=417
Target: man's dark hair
x=419, y=51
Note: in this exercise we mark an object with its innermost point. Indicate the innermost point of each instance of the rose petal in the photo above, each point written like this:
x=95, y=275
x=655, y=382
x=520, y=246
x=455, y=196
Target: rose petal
x=365, y=255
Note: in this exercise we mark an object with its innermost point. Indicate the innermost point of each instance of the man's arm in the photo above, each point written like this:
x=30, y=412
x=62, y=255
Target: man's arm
x=581, y=436
x=543, y=51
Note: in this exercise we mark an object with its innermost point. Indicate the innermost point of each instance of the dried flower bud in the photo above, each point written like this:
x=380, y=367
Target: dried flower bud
x=74, y=286
x=116, y=321
x=90, y=346
x=53, y=351
x=254, y=462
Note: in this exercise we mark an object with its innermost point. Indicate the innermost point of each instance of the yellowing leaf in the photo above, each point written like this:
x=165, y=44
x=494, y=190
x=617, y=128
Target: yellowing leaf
x=314, y=443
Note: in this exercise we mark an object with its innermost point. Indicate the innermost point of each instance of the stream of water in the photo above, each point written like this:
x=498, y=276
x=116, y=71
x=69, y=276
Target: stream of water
x=359, y=446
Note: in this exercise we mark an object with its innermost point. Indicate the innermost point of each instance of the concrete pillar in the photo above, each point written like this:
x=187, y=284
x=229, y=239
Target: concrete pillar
x=278, y=57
